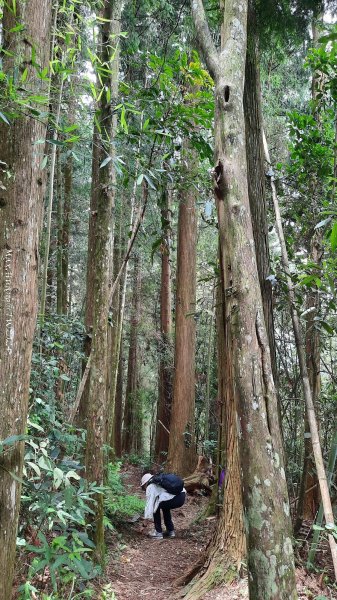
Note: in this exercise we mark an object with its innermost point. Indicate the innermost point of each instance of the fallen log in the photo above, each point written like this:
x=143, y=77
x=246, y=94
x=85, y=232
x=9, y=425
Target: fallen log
x=201, y=478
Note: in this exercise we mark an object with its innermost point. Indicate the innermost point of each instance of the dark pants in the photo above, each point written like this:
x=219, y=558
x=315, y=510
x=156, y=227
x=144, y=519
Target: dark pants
x=166, y=506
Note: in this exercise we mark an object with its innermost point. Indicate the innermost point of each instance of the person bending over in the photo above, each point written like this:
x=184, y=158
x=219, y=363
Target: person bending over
x=158, y=499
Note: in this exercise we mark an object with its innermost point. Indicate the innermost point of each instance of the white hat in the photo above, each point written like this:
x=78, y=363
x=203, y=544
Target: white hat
x=145, y=479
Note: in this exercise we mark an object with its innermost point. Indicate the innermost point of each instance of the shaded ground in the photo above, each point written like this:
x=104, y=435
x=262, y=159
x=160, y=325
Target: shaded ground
x=145, y=568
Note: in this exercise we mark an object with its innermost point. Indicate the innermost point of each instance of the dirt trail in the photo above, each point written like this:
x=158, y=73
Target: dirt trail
x=146, y=568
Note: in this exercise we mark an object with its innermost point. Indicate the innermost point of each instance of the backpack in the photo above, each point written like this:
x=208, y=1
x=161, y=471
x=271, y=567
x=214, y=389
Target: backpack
x=173, y=484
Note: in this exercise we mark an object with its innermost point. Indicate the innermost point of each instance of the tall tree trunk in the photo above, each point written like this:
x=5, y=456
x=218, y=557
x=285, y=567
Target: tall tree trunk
x=131, y=402
x=117, y=386
x=109, y=61
x=82, y=413
x=118, y=416
x=68, y=190
x=113, y=331
x=59, y=196
x=210, y=352
x=22, y=190
x=182, y=453
x=308, y=501
x=256, y=176
x=165, y=359
x=64, y=195
x=264, y=490
x=227, y=549
x=50, y=198
x=299, y=342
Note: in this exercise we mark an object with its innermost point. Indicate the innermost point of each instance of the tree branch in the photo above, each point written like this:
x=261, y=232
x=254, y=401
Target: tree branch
x=204, y=38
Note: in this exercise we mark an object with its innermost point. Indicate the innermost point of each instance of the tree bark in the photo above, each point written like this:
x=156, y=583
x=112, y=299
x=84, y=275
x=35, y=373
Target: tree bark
x=227, y=549
x=96, y=407
x=264, y=491
x=182, y=453
x=132, y=421
x=21, y=202
x=113, y=337
x=165, y=352
x=82, y=409
x=256, y=177
x=50, y=199
x=309, y=500
x=59, y=196
x=68, y=190
x=118, y=416
x=299, y=342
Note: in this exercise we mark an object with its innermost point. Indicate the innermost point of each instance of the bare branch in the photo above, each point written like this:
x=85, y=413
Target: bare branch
x=204, y=38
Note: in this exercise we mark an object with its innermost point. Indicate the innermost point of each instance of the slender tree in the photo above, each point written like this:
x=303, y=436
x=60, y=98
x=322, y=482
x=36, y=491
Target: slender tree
x=65, y=215
x=118, y=414
x=22, y=190
x=132, y=420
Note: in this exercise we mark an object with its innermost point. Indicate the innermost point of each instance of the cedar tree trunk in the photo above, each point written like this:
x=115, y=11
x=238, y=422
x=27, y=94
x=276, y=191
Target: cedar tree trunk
x=96, y=406
x=182, y=454
x=165, y=364
x=21, y=200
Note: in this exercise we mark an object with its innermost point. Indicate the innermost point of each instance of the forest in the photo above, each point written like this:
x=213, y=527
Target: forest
x=168, y=304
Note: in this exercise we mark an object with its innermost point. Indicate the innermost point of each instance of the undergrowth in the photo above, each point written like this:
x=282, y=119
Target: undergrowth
x=55, y=548
x=119, y=505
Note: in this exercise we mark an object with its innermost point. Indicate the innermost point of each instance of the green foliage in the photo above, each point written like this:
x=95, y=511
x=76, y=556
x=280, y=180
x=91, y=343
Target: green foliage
x=55, y=509
x=57, y=502
x=120, y=506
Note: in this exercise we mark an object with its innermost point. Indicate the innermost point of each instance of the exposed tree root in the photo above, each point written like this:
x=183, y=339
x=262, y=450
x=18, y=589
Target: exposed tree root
x=191, y=572
x=202, y=578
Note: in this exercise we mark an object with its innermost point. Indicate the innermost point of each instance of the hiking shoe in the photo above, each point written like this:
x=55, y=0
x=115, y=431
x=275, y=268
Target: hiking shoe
x=156, y=535
x=171, y=534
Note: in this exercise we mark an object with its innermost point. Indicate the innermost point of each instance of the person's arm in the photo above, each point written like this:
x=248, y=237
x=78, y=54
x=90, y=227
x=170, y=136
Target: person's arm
x=150, y=500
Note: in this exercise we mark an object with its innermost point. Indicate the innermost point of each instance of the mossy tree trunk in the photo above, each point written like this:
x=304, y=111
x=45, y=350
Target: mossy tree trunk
x=264, y=490
x=21, y=202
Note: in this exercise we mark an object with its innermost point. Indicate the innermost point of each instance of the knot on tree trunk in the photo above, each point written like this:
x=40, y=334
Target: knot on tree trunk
x=221, y=180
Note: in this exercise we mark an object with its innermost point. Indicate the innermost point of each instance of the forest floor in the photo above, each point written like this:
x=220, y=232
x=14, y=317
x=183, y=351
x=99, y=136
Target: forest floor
x=140, y=567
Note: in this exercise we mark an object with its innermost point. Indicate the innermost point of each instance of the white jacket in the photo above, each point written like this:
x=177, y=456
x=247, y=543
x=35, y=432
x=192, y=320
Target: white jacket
x=154, y=495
